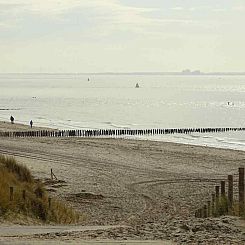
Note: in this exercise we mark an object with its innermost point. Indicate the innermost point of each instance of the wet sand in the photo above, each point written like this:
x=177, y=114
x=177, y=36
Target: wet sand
x=8, y=127
x=153, y=187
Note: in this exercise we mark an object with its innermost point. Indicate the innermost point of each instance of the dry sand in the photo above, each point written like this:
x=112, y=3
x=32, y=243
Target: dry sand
x=153, y=187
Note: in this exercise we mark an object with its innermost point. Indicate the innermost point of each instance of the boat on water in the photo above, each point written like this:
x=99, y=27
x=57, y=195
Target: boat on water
x=137, y=85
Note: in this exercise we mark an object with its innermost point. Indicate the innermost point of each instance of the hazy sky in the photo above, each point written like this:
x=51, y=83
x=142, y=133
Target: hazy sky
x=121, y=35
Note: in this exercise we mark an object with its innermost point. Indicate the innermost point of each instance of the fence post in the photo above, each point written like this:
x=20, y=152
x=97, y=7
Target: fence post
x=213, y=203
x=24, y=195
x=223, y=189
x=49, y=202
x=11, y=192
x=223, y=206
x=230, y=191
x=241, y=191
x=53, y=175
x=205, y=211
x=209, y=208
x=217, y=199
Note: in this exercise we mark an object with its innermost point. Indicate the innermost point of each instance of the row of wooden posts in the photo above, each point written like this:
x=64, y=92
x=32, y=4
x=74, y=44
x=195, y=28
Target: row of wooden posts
x=38, y=194
x=115, y=132
x=222, y=202
x=11, y=196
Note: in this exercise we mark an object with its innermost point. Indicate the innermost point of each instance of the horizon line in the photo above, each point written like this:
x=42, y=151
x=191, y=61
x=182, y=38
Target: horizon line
x=197, y=73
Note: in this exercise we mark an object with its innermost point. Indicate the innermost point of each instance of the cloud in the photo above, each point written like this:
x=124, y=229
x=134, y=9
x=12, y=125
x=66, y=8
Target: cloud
x=219, y=10
x=239, y=8
x=44, y=6
x=177, y=8
x=112, y=11
x=96, y=18
x=101, y=17
x=61, y=6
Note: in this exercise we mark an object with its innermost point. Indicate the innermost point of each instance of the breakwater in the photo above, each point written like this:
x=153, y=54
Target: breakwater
x=114, y=132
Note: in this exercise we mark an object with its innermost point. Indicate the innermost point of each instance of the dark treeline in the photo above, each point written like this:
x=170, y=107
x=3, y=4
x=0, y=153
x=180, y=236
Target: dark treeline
x=115, y=132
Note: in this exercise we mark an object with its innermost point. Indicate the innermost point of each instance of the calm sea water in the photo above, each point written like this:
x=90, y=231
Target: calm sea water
x=73, y=102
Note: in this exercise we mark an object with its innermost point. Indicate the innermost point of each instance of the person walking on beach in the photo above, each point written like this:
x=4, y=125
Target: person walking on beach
x=31, y=123
x=12, y=119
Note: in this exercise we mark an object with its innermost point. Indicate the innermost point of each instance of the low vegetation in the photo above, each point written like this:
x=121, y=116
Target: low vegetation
x=29, y=198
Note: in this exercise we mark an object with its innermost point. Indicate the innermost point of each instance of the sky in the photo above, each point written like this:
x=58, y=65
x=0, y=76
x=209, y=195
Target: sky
x=122, y=35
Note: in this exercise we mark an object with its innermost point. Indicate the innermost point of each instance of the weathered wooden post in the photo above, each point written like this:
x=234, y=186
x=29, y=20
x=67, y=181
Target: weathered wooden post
x=49, y=202
x=209, y=208
x=201, y=212
x=11, y=192
x=213, y=203
x=205, y=211
x=53, y=175
x=230, y=191
x=217, y=191
x=223, y=189
x=224, y=206
x=198, y=213
x=217, y=199
x=241, y=191
x=24, y=195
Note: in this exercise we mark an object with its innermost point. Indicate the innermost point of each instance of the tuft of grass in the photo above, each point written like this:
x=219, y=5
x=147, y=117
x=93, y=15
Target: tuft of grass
x=222, y=207
x=21, y=171
x=36, y=204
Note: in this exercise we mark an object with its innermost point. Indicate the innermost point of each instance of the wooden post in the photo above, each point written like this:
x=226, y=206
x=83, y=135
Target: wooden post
x=49, y=202
x=11, y=192
x=230, y=191
x=213, y=203
x=53, y=175
x=217, y=200
x=217, y=191
x=223, y=189
x=201, y=212
x=241, y=191
x=198, y=213
x=209, y=208
x=24, y=195
x=223, y=207
x=205, y=211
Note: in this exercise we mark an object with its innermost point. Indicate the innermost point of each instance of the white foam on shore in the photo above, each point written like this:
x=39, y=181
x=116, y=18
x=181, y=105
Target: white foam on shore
x=214, y=140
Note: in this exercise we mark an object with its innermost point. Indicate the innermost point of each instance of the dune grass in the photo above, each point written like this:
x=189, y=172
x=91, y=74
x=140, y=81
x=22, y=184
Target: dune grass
x=34, y=202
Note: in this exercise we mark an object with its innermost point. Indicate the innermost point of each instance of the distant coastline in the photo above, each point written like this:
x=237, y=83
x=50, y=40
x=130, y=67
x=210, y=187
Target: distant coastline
x=183, y=73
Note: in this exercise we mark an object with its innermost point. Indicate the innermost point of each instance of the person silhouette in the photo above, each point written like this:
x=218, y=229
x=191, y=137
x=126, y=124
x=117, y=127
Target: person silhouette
x=12, y=119
x=31, y=123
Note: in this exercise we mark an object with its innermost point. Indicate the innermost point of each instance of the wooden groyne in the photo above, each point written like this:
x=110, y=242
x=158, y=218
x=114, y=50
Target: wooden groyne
x=115, y=132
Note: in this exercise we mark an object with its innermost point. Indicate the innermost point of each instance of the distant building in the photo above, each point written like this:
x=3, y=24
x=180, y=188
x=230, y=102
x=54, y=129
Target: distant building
x=186, y=72
x=189, y=72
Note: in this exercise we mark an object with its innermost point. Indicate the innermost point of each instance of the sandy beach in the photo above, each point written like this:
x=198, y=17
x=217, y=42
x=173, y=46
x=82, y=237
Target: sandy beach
x=152, y=188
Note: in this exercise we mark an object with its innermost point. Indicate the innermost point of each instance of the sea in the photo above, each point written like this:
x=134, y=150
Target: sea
x=82, y=101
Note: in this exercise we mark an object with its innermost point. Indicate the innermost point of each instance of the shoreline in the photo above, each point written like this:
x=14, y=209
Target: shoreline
x=8, y=127
x=172, y=139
